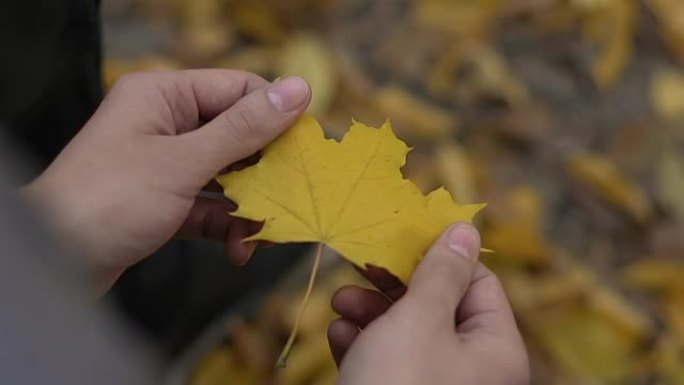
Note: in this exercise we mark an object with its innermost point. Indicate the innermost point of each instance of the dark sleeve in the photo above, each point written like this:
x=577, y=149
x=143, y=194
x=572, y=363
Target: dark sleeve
x=50, y=81
x=51, y=331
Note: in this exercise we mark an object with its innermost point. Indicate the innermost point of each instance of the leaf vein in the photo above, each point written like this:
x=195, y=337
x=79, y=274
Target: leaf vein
x=357, y=182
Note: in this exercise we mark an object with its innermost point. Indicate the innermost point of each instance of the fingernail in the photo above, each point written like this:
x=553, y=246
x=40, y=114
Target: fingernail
x=465, y=240
x=288, y=93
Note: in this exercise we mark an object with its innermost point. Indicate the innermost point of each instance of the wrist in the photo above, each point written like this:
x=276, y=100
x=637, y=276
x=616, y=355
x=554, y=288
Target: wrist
x=76, y=223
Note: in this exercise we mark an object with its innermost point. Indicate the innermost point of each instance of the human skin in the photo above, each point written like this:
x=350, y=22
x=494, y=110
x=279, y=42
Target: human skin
x=128, y=182
x=451, y=325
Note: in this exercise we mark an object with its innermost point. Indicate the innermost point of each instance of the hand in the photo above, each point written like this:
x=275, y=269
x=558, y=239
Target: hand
x=453, y=325
x=127, y=183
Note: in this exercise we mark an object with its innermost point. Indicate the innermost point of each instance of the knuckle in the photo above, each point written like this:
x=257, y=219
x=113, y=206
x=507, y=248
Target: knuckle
x=241, y=125
x=129, y=81
x=490, y=281
x=136, y=82
x=141, y=80
x=445, y=267
x=250, y=77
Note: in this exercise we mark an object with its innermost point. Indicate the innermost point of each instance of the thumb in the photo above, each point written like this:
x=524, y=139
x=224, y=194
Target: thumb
x=249, y=125
x=442, y=278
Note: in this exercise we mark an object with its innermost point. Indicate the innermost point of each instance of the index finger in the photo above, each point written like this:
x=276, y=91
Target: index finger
x=191, y=96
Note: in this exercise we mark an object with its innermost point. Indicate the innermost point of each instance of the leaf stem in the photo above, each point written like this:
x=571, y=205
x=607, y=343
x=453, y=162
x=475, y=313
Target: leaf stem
x=300, y=313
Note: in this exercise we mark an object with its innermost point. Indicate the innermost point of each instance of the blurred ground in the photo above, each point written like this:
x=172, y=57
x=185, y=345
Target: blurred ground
x=566, y=116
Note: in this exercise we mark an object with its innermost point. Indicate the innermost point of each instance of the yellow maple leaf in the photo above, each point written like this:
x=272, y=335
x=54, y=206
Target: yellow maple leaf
x=349, y=195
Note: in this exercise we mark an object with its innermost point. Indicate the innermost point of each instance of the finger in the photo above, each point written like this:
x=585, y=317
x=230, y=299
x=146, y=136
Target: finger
x=249, y=125
x=255, y=227
x=388, y=284
x=442, y=277
x=341, y=334
x=358, y=305
x=189, y=97
x=237, y=249
x=485, y=306
x=209, y=220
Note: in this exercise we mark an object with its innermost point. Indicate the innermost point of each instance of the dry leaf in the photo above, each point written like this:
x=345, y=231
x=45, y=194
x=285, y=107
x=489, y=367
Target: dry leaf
x=350, y=195
x=667, y=94
x=415, y=118
x=515, y=232
x=456, y=171
x=623, y=315
x=668, y=358
x=519, y=245
x=673, y=308
x=254, y=351
x=490, y=78
x=462, y=18
x=670, y=14
x=258, y=20
x=309, y=57
x=610, y=25
x=214, y=366
x=656, y=275
x=204, y=32
x=605, y=180
x=670, y=182
x=585, y=345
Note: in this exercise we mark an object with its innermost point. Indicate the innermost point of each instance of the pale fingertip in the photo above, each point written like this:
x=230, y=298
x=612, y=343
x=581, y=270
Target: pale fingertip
x=464, y=239
x=288, y=94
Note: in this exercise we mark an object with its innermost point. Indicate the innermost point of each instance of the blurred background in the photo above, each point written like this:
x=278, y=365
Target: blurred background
x=566, y=116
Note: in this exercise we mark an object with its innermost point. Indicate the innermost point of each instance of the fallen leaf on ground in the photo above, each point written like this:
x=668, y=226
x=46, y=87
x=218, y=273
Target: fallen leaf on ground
x=670, y=14
x=309, y=57
x=670, y=182
x=415, y=118
x=463, y=18
x=667, y=94
x=656, y=275
x=610, y=24
x=605, y=180
x=456, y=170
x=586, y=345
x=349, y=195
x=516, y=233
x=258, y=20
